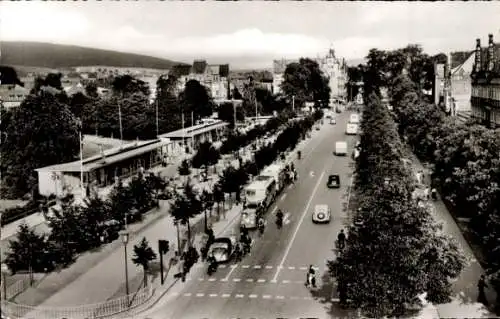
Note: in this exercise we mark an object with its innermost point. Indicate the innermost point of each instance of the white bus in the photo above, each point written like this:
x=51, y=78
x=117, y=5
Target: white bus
x=261, y=192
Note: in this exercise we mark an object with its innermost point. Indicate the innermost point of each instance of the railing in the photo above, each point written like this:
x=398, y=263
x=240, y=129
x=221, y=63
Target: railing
x=15, y=288
x=100, y=310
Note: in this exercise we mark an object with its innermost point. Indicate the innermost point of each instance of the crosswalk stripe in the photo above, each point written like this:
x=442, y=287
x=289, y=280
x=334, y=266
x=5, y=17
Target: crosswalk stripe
x=280, y=297
x=239, y=296
x=223, y=279
x=253, y=296
x=200, y=279
x=269, y=267
x=286, y=281
x=236, y=279
x=211, y=279
x=226, y=295
x=249, y=280
x=212, y=295
x=200, y=294
x=245, y=266
x=187, y=294
x=266, y=296
x=291, y=268
x=257, y=266
x=261, y=280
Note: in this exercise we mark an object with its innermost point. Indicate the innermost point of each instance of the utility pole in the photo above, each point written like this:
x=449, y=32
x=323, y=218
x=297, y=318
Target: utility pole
x=234, y=113
x=293, y=103
x=81, y=159
x=120, y=120
x=157, y=126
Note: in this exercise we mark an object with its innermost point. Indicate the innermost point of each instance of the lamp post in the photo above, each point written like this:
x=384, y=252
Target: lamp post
x=125, y=237
x=176, y=223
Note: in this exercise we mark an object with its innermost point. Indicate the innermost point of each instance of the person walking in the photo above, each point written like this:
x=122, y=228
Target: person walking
x=481, y=284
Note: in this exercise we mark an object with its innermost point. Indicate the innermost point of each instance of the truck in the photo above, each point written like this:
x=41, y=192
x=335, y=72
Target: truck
x=341, y=148
x=277, y=172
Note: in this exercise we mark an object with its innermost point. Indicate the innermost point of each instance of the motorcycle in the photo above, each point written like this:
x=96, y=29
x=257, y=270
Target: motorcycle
x=311, y=281
x=212, y=268
x=279, y=222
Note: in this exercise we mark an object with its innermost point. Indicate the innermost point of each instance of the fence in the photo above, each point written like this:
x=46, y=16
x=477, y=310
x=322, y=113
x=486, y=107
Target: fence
x=100, y=310
x=15, y=288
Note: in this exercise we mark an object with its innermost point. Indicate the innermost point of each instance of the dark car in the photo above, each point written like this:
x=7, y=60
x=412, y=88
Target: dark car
x=333, y=181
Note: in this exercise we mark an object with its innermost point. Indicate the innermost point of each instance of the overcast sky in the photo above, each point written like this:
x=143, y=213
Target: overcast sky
x=251, y=34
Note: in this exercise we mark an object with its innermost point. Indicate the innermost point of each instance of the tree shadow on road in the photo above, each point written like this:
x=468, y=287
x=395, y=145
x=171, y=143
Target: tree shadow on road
x=324, y=294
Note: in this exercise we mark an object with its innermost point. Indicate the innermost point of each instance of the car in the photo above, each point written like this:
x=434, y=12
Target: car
x=222, y=249
x=333, y=121
x=317, y=128
x=333, y=181
x=321, y=214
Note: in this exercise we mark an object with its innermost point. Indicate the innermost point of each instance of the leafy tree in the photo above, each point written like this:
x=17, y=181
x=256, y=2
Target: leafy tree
x=141, y=193
x=77, y=104
x=124, y=85
x=54, y=80
x=207, y=201
x=41, y=132
x=225, y=112
x=143, y=255
x=185, y=207
x=91, y=90
x=8, y=76
x=26, y=251
x=121, y=202
x=235, y=94
x=93, y=214
x=206, y=156
x=195, y=98
x=185, y=168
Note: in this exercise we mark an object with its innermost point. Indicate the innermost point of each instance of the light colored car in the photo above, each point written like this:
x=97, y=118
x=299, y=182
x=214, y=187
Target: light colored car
x=321, y=214
x=333, y=121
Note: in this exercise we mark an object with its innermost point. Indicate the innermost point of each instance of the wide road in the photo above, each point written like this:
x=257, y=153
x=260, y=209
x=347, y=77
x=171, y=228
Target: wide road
x=269, y=283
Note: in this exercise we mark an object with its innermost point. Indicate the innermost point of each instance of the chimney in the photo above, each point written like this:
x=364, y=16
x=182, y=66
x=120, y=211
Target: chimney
x=491, y=52
x=477, y=63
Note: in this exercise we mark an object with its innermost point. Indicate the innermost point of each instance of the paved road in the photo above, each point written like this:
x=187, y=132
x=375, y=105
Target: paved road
x=270, y=282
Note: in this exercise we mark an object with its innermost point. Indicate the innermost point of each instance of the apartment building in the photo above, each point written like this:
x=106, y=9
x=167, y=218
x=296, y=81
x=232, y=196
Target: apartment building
x=485, y=97
x=215, y=77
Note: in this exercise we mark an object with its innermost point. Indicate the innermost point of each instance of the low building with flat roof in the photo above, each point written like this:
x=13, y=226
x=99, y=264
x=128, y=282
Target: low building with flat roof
x=101, y=170
x=210, y=131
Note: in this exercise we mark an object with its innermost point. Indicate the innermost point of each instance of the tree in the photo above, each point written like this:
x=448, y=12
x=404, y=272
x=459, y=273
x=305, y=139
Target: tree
x=124, y=85
x=207, y=200
x=184, y=169
x=186, y=206
x=8, y=76
x=91, y=90
x=26, y=251
x=77, y=104
x=121, y=202
x=143, y=255
x=195, y=98
x=206, y=155
x=142, y=194
x=41, y=132
x=225, y=112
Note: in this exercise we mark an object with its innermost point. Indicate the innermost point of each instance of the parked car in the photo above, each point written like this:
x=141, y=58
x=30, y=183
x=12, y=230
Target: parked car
x=333, y=181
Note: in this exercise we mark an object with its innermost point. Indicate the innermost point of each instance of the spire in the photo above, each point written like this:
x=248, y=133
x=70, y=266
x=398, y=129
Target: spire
x=477, y=62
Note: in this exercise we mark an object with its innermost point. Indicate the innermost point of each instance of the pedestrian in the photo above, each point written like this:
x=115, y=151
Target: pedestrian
x=180, y=269
x=341, y=288
x=481, y=284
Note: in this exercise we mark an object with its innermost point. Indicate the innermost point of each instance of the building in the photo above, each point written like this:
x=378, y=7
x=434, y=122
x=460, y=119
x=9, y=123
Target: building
x=101, y=170
x=12, y=95
x=210, y=130
x=215, y=77
x=279, y=67
x=74, y=89
x=485, y=97
x=336, y=70
x=452, y=83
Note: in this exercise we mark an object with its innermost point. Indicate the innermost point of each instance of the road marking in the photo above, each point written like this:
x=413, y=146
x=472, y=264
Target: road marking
x=187, y=294
x=211, y=279
x=299, y=282
x=269, y=267
x=303, y=268
x=306, y=210
x=175, y=293
x=223, y=279
x=283, y=197
x=311, y=173
x=226, y=295
x=266, y=296
x=261, y=280
x=291, y=268
x=274, y=281
x=239, y=296
x=245, y=266
x=274, y=210
x=257, y=266
x=286, y=281
x=308, y=298
x=236, y=279
x=233, y=267
x=213, y=295
x=249, y=280
x=252, y=296
x=335, y=299
x=200, y=294
x=280, y=297
x=201, y=279
x=222, y=266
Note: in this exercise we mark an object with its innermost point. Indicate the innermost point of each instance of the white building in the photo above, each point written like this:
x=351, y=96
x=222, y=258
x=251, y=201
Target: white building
x=336, y=70
x=213, y=76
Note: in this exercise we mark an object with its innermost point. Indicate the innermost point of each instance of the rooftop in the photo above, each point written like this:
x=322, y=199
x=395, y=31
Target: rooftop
x=195, y=130
x=113, y=155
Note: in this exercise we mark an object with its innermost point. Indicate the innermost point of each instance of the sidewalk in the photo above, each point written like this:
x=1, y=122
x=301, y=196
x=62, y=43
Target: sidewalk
x=464, y=303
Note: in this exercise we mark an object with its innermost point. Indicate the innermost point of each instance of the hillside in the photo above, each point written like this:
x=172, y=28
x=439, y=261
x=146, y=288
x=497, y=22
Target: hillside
x=56, y=56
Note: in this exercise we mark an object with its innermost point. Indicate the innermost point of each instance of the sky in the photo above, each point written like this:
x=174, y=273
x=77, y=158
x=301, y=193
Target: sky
x=251, y=34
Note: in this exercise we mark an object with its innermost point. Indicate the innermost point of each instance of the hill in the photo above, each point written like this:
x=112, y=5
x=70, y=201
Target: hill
x=56, y=56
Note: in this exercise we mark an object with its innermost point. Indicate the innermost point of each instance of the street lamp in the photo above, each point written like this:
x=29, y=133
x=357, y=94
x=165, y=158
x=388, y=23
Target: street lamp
x=125, y=237
x=176, y=223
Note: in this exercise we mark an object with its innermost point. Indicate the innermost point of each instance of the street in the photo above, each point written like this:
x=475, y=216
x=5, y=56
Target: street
x=270, y=281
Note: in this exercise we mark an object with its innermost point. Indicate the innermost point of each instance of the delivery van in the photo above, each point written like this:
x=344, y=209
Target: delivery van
x=341, y=148
x=351, y=129
x=354, y=119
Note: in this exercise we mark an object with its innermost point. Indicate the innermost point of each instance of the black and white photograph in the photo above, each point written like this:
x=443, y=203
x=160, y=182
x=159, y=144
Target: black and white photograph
x=249, y=159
